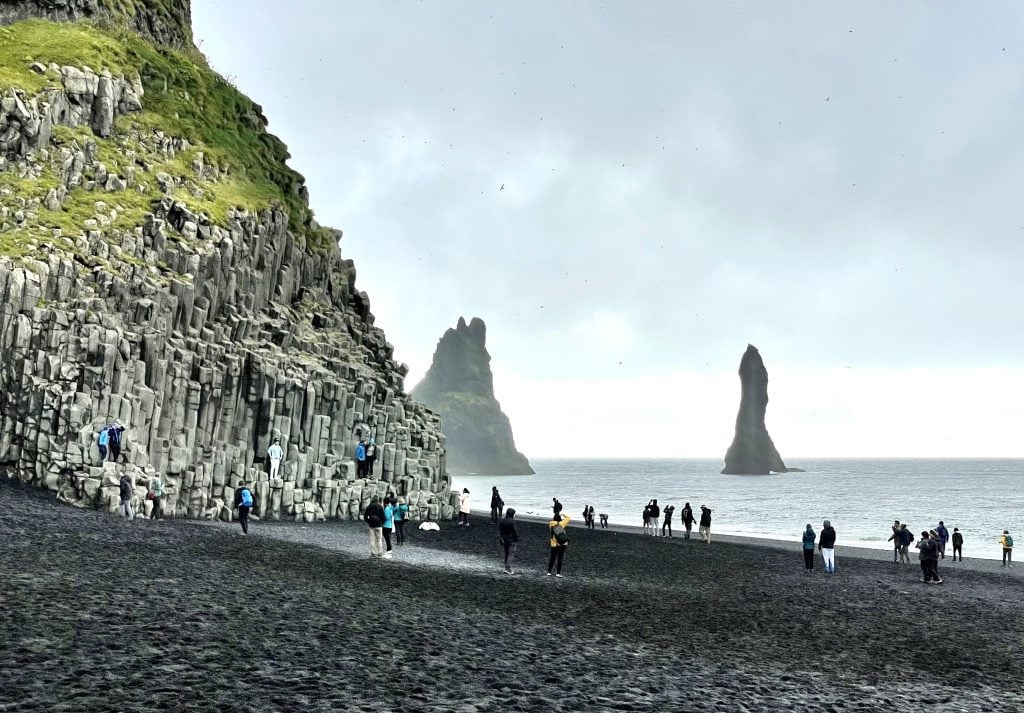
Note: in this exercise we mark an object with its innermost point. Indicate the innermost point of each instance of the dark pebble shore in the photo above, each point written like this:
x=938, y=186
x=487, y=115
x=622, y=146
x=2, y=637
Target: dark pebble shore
x=97, y=614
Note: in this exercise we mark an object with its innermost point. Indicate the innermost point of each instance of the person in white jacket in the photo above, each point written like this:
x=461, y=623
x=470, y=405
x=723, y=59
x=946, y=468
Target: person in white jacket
x=464, y=508
x=276, y=455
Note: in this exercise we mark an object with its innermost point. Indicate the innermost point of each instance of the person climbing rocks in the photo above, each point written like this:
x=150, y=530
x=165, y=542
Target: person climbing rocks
x=115, y=431
x=497, y=505
x=655, y=516
x=371, y=455
x=688, y=520
x=276, y=454
x=559, y=539
x=388, y=526
x=464, y=508
x=669, y=509
x=705, y=524
x=1007, y=543
x=943, y=534
x=958, y=544
x=928, y=554
x=156, y=494
x=102, y=440
x=895, y=539
x=401, y=516
x=374, y=518
x=808, y=547
x=827, y=546
x=508, y=536
x=906, y=537
x=127, y=491
x=361, y=471
x=243, y=503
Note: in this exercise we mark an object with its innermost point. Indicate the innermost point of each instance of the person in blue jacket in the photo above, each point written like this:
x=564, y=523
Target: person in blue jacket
x=943, y=534
x=389, y=525
x=102, y=441
x=361, y=465
x=809, y=538
x=401, y=516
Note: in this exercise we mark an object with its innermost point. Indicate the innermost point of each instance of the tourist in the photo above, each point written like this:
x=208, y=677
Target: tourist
x=1007, y=543
x=127, y=492
x=705, y=524
x=928, y=553
x=101, y=441
x=361, y=459
x=401, y=515
x=243, y=503
x=590, y=516
x=604, y=521
x=958, y=544
x=464, y=508
x=497, y=505
x=943, y=538
x=894, y=538
x=276, y=454
x=509, y=538
x=809, y=538
x=114, y=433
x=669, y=509
x=687, y=520
x=905, y=538
x=647, y=518
x=374, y=518
x=156, y=493
x=655, y=516
x=586, y=517
x=559, y=540
x=371, y=455
x=827, y=546
x=388, y=525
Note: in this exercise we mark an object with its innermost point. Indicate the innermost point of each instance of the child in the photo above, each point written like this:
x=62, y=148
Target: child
x=958, y=544
x=1007, y=542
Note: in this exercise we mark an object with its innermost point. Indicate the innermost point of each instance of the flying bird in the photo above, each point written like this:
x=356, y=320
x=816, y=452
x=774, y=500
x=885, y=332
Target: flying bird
x=502, y=187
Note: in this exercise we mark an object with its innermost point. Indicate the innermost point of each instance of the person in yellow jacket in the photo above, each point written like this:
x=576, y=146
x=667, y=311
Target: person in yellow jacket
x=1007, y=542
x=559, y=540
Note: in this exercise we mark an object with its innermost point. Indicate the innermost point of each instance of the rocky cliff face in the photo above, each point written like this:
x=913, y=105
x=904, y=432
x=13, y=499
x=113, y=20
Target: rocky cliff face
x=460, y=387
x=752, y=451
x=165, y=22
x=159, y=265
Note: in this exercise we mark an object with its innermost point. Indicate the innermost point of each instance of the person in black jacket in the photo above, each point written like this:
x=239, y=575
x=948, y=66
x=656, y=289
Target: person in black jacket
x=509, y=538
x=497, y=505
x=127, y=491
x=705, y=523
x=958, y=544
x=655, y=515
x=827, y=546
x=115, y=432
x=687, y=519
x=928, y=552
x=669, y=509
x=374, y=518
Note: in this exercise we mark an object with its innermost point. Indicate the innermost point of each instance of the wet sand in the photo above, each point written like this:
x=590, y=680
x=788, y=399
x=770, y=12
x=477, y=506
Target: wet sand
x=97, y=614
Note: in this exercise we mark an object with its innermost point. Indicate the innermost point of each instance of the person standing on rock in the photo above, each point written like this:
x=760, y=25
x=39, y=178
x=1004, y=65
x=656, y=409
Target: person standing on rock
x=127, y=491
x=827, y=546
x=809, y=538
x=401, y=516
x=374, y=518
x=688, y=520
x=943, y=534
x=156, y=490
x=361, y=459
x=243, y=503
x=705, y=524
x=388, y=526
x=276, y=454
x=958, y=544
x=371, y=455
x=114, y=433
x=102, y=441
x=559, y=540
x=497, y=505
x=464, y=508
x=669, y=509
x=1007, y=543
x=508, y=536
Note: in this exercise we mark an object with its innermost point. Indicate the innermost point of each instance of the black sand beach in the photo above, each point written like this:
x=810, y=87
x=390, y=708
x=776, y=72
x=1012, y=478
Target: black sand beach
x=98, y=615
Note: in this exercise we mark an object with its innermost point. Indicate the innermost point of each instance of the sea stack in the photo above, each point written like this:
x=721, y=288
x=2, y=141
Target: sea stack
x=459, y=387
x=752, y=451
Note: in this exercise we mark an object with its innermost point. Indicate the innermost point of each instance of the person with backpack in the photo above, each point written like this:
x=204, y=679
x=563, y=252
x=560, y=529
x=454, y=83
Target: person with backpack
x=401, y=516
x=276, y=454
x=371, y=455
x=958, y=544
x=114, y=433
x=943, y=534
x=102, y=441
x=464, y=508
x=688, y=520
x=156, y=494
x=1007, y=543
x=559, y=540
x=374, y=518
x=243, y=503
x=361, y=471
x=497, y=505
x=827, y=546
x=928, y=553
x=809, y=538
x=906, y=537
x=669, y=509
x=508, y=536
x=705, y=523
x=127, y=491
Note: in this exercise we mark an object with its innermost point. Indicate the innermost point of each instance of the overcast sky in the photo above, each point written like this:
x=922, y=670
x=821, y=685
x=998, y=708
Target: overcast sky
x=630, y=192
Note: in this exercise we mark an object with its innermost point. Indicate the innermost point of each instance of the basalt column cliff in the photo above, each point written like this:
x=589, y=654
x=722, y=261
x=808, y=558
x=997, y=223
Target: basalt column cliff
x=159, y=265
x=460, y=387
x=752, y=451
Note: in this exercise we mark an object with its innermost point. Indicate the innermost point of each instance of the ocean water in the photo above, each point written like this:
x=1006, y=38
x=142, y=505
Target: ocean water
x=860, y=496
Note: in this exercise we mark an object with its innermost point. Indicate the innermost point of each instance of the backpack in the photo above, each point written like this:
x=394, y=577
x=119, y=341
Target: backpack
x=1008, y=541
x=246, y=498
x=560, y=535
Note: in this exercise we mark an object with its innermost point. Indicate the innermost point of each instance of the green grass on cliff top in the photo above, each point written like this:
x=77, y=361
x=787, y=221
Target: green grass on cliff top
x=183, y=97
